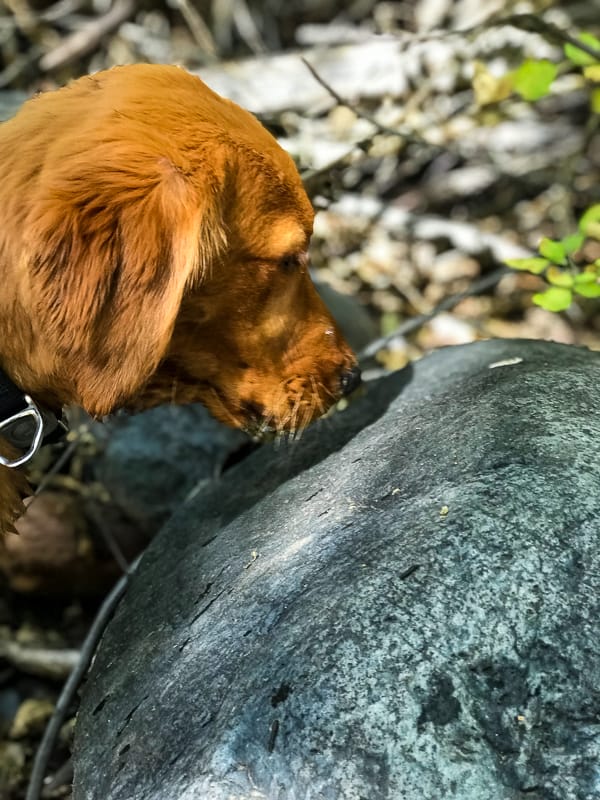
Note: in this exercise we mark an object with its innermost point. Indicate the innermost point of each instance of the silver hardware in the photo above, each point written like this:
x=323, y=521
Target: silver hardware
x=33, y=412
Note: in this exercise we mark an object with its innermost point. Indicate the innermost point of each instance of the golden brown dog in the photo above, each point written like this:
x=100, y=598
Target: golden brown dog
x=153, y=248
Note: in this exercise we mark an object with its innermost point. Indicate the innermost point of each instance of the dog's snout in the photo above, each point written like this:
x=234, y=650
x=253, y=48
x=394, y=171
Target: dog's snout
x=350, y=380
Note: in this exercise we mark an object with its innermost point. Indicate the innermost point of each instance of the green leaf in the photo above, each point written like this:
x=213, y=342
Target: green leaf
x=557, y=277
x=588, y=289
x=533, y=265
x=589, y=276
x=592, y=73
x=533, y=78
x=554, y=299
x=554, y=251
x=580, y=57
x=572, y=243
x=595, y=101
x=589, y=224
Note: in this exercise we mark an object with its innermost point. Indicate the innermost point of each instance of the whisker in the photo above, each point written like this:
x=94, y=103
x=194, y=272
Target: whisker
x=295, y=414
x=226, y=411
x=316, y=396
x=265, y=424
x=306, y=417
x=279, y=422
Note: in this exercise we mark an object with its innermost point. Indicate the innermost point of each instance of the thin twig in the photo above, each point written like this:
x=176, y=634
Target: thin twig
x=86, y=39
x=408, y=136
x=198, y=27
x=533, y=24
x=246, y=26
x=60, y=9
x=57, y=466
x=449, y=302
x=67, y=695
x=529, y=23
x=46, y=662
x=109, y=539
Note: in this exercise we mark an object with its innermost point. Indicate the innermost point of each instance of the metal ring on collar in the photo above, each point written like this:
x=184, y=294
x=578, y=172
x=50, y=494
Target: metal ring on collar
x=31, y=411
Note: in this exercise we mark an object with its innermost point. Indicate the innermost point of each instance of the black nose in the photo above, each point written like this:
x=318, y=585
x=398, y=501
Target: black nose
x=350, y=380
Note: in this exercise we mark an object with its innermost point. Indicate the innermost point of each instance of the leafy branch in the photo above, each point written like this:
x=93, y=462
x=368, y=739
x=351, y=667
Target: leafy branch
x=557, y=263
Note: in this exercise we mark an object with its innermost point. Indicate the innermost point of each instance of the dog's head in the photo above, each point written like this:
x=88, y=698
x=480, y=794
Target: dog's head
x=161, y=234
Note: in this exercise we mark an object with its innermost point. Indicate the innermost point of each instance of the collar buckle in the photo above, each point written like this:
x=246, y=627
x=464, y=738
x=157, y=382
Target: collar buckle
x=18, y=430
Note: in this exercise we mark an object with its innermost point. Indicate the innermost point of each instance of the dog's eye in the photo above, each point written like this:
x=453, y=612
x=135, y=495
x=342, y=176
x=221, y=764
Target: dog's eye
x=290, y=263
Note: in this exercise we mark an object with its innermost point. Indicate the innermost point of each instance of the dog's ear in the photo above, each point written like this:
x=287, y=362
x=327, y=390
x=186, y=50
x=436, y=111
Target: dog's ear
x=112, y=252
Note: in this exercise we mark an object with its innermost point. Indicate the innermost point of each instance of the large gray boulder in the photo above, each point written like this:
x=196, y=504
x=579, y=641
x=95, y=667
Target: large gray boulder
x=407, y=610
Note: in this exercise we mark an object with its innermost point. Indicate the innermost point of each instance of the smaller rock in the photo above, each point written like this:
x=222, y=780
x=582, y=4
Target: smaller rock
x=31, y=718
x=56, y=551
x=444, y=330
x=12, y=764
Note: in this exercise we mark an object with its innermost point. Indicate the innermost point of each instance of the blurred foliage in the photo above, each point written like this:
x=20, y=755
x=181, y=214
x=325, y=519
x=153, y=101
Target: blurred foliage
x=558, y=264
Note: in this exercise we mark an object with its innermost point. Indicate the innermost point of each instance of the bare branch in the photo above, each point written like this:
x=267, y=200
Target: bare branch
x=86, y=39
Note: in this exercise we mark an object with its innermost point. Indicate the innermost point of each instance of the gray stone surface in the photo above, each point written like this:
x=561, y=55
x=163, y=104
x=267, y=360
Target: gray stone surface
x=410, y=610
x=153, y=460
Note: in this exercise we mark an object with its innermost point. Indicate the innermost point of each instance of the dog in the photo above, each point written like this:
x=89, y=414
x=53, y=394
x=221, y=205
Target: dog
x=153, y=249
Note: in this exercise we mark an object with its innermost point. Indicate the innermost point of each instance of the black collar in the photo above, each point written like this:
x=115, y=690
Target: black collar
x=24, y=424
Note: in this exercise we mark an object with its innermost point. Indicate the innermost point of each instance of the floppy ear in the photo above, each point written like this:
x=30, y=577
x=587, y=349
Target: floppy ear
x=113, y=248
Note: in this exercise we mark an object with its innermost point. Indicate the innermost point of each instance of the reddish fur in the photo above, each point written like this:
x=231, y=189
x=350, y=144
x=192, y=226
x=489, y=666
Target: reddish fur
x=145, y=227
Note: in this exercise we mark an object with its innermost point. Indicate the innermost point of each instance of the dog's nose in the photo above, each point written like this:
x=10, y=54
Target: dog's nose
x=350, y=380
